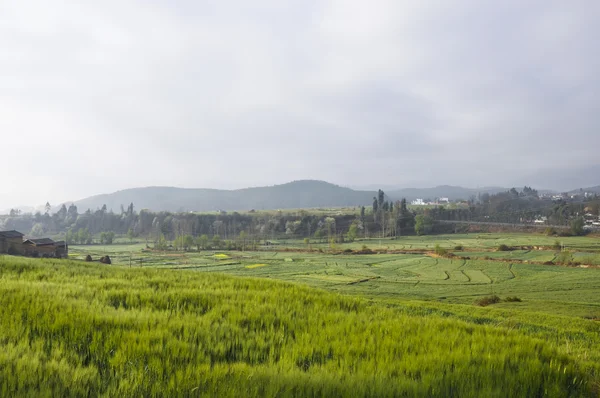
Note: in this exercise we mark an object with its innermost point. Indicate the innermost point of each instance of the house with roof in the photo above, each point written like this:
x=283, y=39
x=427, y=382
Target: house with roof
x=44, y=247
x=11, y=242
x=61, y=249
x=14, y=243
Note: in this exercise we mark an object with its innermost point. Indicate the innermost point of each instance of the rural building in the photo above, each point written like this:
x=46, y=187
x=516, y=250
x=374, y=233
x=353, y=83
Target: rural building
x=418, y=202
x=11, y=242
x=62, y=250
x=43, y=247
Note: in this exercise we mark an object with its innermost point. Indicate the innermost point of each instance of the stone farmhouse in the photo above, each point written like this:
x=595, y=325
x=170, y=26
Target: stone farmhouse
x=15, y=243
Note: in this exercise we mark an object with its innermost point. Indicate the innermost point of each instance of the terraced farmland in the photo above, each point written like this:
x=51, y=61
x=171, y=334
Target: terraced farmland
x=483, y=272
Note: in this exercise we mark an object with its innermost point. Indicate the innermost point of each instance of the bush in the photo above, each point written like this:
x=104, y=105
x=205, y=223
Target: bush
x=488, y=300
x=440, y=251
x=512, y=299
x=503, y=248
x=549, y=231
x=565, y=258
x=88, y=258
x=459, y=247
x=364, y=250
x=556, y=246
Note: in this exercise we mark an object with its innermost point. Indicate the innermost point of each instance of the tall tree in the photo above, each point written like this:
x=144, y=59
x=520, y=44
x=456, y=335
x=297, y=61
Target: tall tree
x=375, y=208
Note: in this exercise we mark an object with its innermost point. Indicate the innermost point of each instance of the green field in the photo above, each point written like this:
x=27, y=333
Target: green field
x=416, y=276
x=77, y=329
x=288, y=322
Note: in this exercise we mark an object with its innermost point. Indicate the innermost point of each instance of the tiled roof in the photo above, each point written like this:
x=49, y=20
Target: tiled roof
x=41, y=242
x=11, y=234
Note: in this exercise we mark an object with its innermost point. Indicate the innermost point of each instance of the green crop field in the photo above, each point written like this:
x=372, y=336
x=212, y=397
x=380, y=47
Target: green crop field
x=77, y=329
x=410, y=276
x=287, y=321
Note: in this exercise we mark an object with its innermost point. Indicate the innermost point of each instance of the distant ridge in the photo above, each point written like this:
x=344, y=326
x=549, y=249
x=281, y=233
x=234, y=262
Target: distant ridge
x=446, y=191
x=296, y=194
x=302, y=194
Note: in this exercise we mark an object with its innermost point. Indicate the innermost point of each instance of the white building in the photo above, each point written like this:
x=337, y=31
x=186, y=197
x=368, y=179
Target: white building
x=418, y=202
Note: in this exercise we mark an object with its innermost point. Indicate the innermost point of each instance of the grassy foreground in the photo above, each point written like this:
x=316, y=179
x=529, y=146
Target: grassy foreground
x=72, y=329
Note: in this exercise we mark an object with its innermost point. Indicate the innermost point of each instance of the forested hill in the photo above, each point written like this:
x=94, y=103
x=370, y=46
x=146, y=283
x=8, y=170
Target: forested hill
x=297, y=194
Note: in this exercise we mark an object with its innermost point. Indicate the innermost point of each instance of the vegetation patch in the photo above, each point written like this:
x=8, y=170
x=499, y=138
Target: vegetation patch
x=364, y=250
x=503, y=248
x=512, y=299
x=252, y=266
x=80, y=329
x=488, y=300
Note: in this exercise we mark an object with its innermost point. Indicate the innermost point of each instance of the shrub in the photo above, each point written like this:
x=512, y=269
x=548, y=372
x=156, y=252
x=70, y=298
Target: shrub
x=440, y=251
x=556, y=246
x=459, y=247
x=364, y=250
x=503, y=248
x=512, y=299
x=488, y=300
x=564, y=258
x=549, y=231
x=88, y=258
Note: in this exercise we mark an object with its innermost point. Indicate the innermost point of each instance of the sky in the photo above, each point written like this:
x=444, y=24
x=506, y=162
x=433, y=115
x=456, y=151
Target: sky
x=101, y=96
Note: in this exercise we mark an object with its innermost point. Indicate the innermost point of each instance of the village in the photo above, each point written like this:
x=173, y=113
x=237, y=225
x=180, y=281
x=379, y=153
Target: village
x=15, y=243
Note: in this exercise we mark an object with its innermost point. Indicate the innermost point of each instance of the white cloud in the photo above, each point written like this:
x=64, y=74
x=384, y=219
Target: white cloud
x=99, y=96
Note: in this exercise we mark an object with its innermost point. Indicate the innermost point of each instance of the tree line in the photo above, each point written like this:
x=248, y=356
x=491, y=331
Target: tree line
x=384, y=218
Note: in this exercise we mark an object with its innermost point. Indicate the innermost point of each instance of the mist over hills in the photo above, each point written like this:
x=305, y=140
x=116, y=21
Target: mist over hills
x=446, y=191
x=297, y=194
x=293, y=195
x=302, y=194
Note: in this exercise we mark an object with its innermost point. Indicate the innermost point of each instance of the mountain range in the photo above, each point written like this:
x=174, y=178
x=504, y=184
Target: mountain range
x=302, y=194
x=294, y=195
x=297, y=194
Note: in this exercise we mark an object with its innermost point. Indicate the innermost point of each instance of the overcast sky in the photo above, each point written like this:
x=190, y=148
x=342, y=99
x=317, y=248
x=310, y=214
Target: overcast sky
x=97, y=96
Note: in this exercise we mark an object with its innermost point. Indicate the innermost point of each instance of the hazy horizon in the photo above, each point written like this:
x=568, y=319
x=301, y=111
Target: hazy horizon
x=374, y=188
x=101, y=97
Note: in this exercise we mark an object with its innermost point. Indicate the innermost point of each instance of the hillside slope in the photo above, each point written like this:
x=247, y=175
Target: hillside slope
x=75, y=329
x=297, y=194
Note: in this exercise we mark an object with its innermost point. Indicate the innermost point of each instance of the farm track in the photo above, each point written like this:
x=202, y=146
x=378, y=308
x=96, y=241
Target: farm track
x=511, y=271
x=363, y=280
x=468, y=277
x=491, y=280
